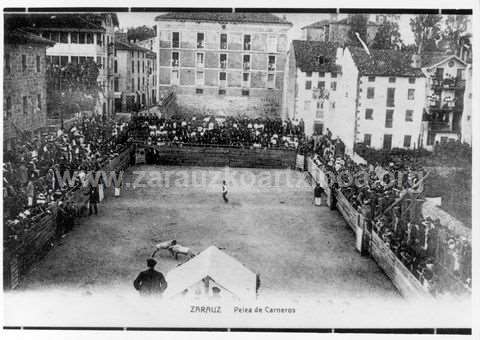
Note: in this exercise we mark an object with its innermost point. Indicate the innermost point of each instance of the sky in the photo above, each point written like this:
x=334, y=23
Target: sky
x=298, y=20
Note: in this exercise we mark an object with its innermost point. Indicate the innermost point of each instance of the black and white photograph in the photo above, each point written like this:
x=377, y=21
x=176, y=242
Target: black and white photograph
x=232, y=168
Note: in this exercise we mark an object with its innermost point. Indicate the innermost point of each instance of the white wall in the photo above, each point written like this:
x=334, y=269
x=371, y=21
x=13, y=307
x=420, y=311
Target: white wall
x=466, y=128
x=400, y=127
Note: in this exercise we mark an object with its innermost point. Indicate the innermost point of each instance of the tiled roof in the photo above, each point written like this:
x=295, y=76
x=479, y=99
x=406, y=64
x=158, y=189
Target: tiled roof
x=261, y=18
x=58, y=21
x=318, y=24
x=21, y=37
x=384, y=63
x=306, y=53
x=123, y=45
x=433, y=58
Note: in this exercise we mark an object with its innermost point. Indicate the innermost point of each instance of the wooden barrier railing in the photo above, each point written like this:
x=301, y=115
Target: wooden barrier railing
x=21, y=256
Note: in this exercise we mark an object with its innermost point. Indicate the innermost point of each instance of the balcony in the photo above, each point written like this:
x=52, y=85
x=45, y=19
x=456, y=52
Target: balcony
x=436, y=106
x=448, y=83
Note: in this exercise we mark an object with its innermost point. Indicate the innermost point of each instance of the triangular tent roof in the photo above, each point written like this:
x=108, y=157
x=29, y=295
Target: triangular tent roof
x=222, y=268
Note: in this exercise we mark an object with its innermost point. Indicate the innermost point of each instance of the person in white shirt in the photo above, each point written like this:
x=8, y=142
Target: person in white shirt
x=225, y=191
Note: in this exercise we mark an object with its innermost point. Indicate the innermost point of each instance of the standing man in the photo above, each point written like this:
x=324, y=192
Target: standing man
x=225, y=191
x=318, y=192
x=150, y=282
x=93, y=199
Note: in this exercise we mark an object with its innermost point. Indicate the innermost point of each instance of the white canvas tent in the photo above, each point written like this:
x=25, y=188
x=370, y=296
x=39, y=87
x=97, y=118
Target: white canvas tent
x=213, y=264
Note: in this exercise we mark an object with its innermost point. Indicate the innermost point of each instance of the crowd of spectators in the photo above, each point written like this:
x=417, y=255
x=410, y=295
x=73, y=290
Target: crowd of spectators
x=427, y=248
x=33, y=171
x=221, y=131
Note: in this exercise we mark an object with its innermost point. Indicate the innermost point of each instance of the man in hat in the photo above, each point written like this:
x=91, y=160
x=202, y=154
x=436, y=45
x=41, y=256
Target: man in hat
x=150, y=281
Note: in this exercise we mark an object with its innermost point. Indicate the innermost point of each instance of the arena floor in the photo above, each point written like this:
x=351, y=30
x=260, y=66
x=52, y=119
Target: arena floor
x=302, y=252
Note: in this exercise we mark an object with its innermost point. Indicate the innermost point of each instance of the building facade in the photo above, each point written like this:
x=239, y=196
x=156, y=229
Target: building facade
x=81, y=37
x=311, y=80
x=445, y=97
x=134, y=76
x=466, y=128
x=380, y=99
x=223, y=63
x=24, y=84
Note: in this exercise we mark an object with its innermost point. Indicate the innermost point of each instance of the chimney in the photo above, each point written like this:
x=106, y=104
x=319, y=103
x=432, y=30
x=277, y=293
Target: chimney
x=416, y=61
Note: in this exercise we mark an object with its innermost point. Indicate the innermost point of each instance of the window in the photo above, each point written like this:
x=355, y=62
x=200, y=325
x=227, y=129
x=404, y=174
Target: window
x=332, y=104
x=245, y=92
x=407, y=140
x=367, y=139
x=321, y=74
x=175, y=77
x=411, y=94
x=25, y=105
x=200, y=60
x=200, y=40
x=7, y=63
x=246, y=42
x=389, y=119
x=81, y=37
x=246, y=62
x=223, y=60
x=82, y=60
x=460, y=74
x=223, y=41
x=199, y=91
x=370, y=92
x=333, y=85
x=271, y=80
x=333, y=75
x=63, y=60
x=246, y=79
x=99, y=61
x=143, y=66
x=175, y=39
x=74, y=37
x=175, y=59
x=308, y=85
x=272, y=44
x=409, y=116
x=387, y=142
x=200, y=78
x=138, y=66
x=9, y=108
x=143, y=82
x=133, y=66
x=439, y=73
x=38, y=63
x=99, y=39
x=390, y=97
x=115, y=66
x=271, y=63
x=371, y=79
x=24, y=62
x=319, y=114
x=320, y=59
x=321, y=85
x=369, y=114
x=391, y=79
x=222, y=76
x=222, y=91
x=306, y=105
x=411, y=80
x=89, y=38
x=309, y=74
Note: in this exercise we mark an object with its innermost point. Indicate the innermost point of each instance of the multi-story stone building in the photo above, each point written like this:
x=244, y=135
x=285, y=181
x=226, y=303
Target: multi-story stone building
x=80, y=37
x=134, y=75
x=24, y=84
x=223, y=63
x=445, y=97
x=380, y=99
x=333, y=30
x=311, y=80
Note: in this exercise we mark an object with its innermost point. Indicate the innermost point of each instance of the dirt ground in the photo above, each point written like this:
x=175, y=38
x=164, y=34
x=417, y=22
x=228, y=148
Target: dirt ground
x=271, y=226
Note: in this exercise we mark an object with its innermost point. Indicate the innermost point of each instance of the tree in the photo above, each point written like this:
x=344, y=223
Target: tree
x=426, y=30
x=140, y=33
x=358, y=24
x=455, y=28
x=72, y=88
x=387, y=37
